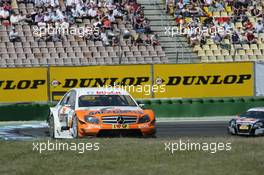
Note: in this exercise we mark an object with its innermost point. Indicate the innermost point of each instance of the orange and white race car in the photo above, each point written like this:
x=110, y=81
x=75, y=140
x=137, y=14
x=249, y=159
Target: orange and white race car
x=99, y=112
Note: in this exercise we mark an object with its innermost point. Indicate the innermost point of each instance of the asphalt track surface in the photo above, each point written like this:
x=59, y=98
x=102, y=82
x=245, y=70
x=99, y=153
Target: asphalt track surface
x=192, y=129
x=177, y=129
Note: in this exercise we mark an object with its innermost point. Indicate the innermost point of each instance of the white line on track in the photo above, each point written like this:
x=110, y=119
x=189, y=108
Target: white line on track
x=196, y=119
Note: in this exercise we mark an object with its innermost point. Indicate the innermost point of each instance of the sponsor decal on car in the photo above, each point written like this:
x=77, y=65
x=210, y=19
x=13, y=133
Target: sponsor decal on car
x=108, y=93
x=143, y=126
x=92, y=126
x=115, y=111
x=243, y=127
x=120, y=126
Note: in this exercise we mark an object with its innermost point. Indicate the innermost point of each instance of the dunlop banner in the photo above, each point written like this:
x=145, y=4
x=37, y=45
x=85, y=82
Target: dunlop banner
x=136, y=79
x=205, y=80
x=23, y=85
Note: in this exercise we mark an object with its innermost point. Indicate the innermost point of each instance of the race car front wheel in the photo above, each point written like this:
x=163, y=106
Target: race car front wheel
x=51, y=126
x=75, y=133
x=230, y=133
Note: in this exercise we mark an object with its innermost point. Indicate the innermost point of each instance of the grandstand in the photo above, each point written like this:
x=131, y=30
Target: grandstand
x=27, y=36
x=176, y=47
x=100, y=32
x=235, y=28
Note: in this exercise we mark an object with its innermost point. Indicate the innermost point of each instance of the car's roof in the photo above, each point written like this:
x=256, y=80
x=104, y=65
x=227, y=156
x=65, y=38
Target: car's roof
x=100, y=91
x=257, y=109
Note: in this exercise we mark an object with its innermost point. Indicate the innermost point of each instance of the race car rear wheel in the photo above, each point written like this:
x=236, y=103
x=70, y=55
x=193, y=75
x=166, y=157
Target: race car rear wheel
x=75, y=132
x=51, y=126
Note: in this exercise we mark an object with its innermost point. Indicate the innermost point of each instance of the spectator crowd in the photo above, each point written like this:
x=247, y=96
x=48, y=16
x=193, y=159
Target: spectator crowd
x=236, y=21
x=114, y=20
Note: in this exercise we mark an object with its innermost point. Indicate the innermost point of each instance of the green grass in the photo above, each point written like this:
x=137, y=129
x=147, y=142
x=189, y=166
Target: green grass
x=134, y=156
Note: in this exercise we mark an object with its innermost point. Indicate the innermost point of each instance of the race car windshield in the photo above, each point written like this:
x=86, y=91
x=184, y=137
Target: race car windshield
x=253, y=114
x=105, y=100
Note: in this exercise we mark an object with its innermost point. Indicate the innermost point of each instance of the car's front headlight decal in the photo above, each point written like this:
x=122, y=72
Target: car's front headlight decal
x=144, y=119
x=91, y=119
x=258, y=125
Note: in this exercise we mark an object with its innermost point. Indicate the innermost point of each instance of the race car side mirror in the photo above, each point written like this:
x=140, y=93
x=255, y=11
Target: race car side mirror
x=141, y=105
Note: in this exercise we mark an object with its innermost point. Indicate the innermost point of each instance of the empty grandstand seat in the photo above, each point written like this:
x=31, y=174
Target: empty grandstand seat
x=229, y=58
x=133, y=60
x=204, y=59
x=201, y=53
x=164, y=59
x=156, y=60
x=212, y=58
x=253, y=57
x=220, y=58
x=140, y=60
x=244, y=58
x=148, y=60
x=161, y=54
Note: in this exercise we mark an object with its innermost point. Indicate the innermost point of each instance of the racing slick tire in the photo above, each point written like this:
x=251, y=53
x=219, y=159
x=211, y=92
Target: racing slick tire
x=51, y=126
x=75, y=132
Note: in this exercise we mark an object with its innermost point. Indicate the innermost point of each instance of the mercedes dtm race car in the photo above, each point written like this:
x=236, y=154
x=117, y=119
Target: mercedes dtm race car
x=249, y=123
x=99, y=112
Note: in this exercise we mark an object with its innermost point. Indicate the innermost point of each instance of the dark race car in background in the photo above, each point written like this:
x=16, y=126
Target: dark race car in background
x=249, y=123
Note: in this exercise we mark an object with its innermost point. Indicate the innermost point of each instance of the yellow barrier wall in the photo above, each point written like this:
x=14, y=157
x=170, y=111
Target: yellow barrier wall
x=64, y=78
x=171, y=81
x=205, y=80
x=23, y=85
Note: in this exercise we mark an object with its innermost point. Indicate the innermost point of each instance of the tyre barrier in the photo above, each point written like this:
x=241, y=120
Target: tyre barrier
x=161, y=107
